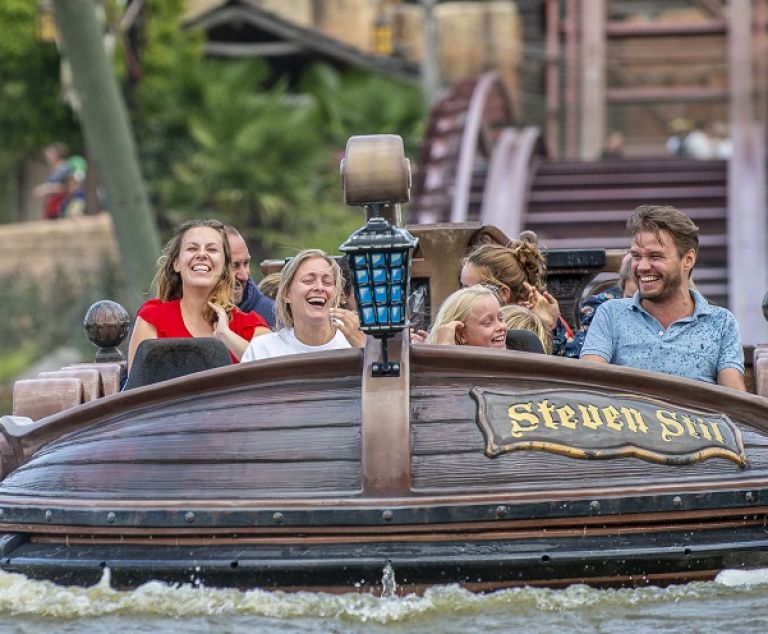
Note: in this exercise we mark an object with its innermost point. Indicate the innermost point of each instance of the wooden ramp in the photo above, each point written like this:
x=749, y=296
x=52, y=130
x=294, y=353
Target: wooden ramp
x=478, y=164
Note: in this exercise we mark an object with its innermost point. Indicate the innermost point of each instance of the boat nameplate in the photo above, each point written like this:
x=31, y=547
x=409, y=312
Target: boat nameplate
x=599, y=426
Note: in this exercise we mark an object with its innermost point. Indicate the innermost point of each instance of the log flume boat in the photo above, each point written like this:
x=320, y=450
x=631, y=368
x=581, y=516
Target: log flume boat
x=486, y=468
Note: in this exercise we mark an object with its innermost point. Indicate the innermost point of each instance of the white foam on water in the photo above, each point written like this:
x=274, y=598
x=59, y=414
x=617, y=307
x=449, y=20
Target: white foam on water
x=20, y=596
x=734, y=578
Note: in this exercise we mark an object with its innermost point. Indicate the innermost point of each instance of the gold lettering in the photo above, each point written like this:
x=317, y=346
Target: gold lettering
x=612, y=415
x=634, y=420
x=669, y=424
x=716, y=431
x=590, y=416
x=546, y=410
x=521, y=413
x=704, y=428
x=566, y=414
x=689, y=426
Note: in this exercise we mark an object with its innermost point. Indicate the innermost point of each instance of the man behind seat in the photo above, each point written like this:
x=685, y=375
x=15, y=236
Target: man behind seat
x=248, y=297
x=666, y=327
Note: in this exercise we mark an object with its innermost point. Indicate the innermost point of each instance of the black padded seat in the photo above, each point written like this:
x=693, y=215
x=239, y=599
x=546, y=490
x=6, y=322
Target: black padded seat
x=524, y=341
x=162, y=359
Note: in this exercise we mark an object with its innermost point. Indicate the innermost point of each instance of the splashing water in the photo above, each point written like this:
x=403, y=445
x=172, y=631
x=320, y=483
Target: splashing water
x=388, y=583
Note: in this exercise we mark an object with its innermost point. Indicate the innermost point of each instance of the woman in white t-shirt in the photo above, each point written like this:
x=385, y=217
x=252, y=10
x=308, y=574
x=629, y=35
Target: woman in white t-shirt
x=306, y=311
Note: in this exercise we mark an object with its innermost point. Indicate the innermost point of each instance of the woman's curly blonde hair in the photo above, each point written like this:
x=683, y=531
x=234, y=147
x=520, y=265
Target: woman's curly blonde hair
x=167, y=282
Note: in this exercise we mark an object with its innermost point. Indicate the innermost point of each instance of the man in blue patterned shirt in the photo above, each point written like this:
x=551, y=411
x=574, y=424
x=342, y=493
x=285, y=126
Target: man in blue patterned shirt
x=666, y=327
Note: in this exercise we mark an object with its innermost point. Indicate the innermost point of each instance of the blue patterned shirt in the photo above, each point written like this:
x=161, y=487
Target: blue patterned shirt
x=697, y=347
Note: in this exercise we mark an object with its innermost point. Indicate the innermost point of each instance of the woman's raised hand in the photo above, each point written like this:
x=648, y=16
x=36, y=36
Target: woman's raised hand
x=543, y=304
x=447, y=334
x=348, y=321
x=221, y=328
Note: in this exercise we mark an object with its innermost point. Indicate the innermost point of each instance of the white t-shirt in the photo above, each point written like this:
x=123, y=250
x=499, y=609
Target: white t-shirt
x=283, y=342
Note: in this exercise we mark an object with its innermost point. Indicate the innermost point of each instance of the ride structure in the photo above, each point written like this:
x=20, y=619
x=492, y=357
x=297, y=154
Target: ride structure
x=486, y=468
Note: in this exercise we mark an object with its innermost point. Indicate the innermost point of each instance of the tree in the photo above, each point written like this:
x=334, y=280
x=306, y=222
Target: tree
x=32, y=113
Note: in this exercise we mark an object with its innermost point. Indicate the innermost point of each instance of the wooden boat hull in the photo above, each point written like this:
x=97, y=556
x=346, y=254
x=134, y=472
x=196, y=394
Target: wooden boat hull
x=307, y=473
x=615, y=560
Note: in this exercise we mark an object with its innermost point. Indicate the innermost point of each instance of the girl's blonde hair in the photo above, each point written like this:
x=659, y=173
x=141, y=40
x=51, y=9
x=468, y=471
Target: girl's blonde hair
x=512, y=265
x=167, y=282
x=522, y=318
x=458, y=307
x=283, y=314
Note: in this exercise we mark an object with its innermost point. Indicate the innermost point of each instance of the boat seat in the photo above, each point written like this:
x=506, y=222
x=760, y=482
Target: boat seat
x=162, y=359
x=111, y=374
x=90, y=377
x=524, y=341
x=760, y=368
x=38, y=398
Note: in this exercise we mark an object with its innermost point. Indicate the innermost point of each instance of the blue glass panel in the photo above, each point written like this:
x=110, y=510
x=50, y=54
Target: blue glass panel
x=396, y=259
x=397, y=314
x=360, y=262
x=378, y=259
x=369, y=317
x=397, y=274
x=365, y=295
x=396, y=294
x=382, y=314
x=379, y=276
x=380, y=293
x=362, y=276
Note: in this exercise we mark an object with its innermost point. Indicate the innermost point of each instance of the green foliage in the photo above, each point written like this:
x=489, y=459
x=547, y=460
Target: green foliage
x=41, y=316
x=361, y=103
x=32, y=113
x=267, y=160
x=170, y=90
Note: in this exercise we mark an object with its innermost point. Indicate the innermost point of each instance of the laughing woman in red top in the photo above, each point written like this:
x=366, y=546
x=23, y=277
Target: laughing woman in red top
x=194, y=284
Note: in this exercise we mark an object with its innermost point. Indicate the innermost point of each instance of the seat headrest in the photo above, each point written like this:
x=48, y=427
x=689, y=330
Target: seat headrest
x=162, y=359
x=524, y=341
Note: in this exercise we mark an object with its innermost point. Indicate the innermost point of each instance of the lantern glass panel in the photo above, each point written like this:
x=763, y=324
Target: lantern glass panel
x=397, y=274
x=396, y=259
x=379, y=276
x=369, y=317
x=364, y=295
x=382, y=314
x=362, y=276
x=380, y=293
x=396, y=294
x=397, y=314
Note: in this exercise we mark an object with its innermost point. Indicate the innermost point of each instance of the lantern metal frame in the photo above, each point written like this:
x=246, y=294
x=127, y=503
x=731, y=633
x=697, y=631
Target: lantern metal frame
x=380, y=256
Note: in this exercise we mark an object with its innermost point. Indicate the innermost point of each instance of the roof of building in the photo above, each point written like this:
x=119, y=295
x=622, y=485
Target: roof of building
x=242, y=28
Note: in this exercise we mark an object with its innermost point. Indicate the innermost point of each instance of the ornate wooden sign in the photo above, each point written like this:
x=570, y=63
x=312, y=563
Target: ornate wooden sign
x=598, y=426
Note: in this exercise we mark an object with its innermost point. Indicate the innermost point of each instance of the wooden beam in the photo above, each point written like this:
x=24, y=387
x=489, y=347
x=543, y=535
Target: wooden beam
x=592, y=78
x=552, y=138
x=571, y=27
x=747, y=226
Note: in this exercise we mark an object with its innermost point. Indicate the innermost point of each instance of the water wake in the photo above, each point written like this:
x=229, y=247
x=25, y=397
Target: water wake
x=20, y=596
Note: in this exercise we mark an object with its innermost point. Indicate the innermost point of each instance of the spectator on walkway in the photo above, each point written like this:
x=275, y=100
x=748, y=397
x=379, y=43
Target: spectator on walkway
x=53, y=190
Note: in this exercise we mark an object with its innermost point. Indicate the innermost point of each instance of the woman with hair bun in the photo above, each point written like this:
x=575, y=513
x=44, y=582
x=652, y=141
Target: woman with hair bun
x=518, y=272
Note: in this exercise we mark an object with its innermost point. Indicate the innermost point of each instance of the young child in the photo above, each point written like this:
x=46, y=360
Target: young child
x=470, y=316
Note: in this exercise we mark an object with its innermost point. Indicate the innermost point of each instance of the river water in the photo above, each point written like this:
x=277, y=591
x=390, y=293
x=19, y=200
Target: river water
x=735, y=602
